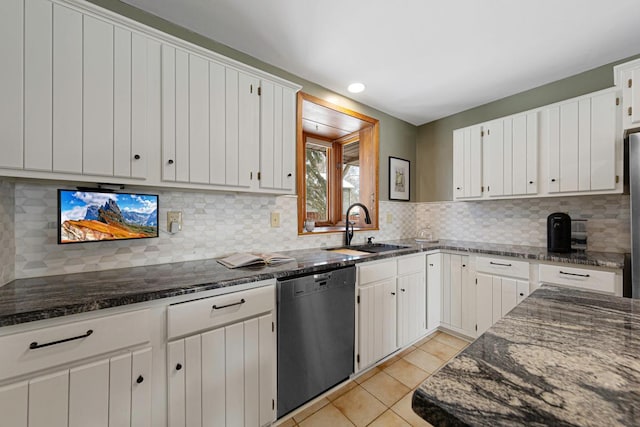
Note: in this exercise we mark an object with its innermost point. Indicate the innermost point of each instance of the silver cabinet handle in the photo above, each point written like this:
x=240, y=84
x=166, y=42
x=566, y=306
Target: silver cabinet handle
x=574, y=274
x=499, y=263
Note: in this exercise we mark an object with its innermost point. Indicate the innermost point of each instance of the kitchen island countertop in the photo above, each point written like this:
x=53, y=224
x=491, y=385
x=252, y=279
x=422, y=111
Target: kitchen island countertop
x=32, y=299
x=562, y=357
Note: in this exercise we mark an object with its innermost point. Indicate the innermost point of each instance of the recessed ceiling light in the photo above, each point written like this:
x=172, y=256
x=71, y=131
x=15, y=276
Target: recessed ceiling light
x=355, y=87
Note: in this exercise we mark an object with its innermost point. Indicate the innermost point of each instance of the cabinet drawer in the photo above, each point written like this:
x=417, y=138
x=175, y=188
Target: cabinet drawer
x=594, y=280
x=32, y=351
x=503, y=267
x=206, y=313
x=373, y=272
x=411, y=264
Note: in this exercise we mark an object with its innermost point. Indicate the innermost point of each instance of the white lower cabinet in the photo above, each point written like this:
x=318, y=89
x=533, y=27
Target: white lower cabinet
x=458, y=295
x=495, y=297
x=434, y=291
x=501, y=284
x=391, y=306
x=377, y=321
x=224, y=376
x=111, y=392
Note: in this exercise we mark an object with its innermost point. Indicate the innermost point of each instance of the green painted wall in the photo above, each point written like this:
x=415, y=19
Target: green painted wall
x=397, y=137
x=434, y=142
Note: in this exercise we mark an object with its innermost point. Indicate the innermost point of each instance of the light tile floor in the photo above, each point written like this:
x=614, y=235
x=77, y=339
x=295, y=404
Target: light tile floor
x=381, y=396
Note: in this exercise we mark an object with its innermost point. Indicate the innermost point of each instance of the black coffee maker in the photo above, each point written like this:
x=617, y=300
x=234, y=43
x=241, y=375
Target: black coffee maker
x=559, y=232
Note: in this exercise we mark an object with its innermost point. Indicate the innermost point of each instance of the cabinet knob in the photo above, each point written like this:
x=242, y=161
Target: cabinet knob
x=170, y=161
x=393, y=293
x=403, y=290
x=464, y=265
x=458, y=188
x=430, y=265
x=530, y=182
x=553, y=180
x=289, y=175
x=140, y=379
x=521, y=294
x=178, y=367
x=137, y=157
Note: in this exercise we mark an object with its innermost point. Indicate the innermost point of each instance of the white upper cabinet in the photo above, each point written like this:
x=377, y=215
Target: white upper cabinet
x=511, y=155
x=467, y=163
x=85, y=93
x=627, y=79
x=224, y=127
x=572, y=147
x=583, y=144
x=74, y=92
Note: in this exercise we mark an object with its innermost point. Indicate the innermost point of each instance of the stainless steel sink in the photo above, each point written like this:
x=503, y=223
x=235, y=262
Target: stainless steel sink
x=373, y=248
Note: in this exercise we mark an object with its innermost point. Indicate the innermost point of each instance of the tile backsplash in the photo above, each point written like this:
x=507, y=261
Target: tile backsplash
x=216, y=224
x=7, y=239
x=524, y=221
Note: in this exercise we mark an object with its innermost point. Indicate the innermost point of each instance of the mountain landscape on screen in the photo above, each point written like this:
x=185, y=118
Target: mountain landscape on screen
x=93, y=216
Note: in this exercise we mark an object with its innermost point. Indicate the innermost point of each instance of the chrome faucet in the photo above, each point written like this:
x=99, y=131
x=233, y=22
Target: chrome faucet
x=348, y=235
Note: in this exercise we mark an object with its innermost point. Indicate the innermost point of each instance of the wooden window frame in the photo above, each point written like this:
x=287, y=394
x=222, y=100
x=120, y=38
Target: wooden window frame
x=369, y=159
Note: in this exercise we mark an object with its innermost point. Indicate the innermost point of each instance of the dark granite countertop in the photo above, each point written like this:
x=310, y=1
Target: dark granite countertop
x=26, y=300
x=562, y=357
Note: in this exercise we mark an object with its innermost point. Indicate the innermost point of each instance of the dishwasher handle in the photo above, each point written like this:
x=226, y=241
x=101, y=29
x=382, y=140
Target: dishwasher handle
x=322, y=277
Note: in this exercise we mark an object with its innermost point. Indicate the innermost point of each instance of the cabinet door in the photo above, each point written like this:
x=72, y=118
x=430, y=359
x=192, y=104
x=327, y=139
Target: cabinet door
x=49, y=400
x=11, y=84
x=484, y=302
x=411, y=307
x=199, y=143
x=67, y=90
x=377, y=321
x=570, y=127
x=604, y=133
x=434, y=290
x=226, y=376
x=89, y=395
x=446, y=289
x=458, y=163
x=522, y=290
x=509, y=295
x=472, y=187
x=14, y=400
x=630, y=82
x=468, y=305
x=496, y=305
x=176, y=383
x=97, y=101
x=248, y=130
x=120, y=391
x=38, y=90
x=277, y=136
x=553, y=150
x=456, y=291
x=494, y=157
x=524, y=141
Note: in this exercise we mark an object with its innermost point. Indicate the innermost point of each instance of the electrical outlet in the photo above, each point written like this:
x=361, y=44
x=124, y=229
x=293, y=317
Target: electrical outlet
x=389, y=218
x=174, y=216
x=275, y=219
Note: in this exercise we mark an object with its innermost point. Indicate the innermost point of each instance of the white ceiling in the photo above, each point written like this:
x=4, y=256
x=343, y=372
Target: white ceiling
x=420, y=59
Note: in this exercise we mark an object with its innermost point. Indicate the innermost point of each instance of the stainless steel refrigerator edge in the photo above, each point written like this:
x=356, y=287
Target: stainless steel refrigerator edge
x=634, y=192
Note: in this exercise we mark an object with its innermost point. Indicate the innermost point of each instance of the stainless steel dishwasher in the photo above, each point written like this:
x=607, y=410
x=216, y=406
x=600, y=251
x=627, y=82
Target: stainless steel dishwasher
x=316, y=326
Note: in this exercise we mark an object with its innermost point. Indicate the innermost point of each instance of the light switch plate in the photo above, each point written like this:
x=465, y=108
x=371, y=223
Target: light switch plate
x=174, y=216
x=389, y=218
x=275, y=219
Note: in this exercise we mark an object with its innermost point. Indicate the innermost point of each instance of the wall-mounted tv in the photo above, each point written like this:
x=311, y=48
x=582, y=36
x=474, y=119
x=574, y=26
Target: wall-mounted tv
x=92, y=216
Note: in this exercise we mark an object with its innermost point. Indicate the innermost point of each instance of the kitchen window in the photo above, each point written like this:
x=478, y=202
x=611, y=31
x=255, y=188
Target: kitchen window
x=338, y=165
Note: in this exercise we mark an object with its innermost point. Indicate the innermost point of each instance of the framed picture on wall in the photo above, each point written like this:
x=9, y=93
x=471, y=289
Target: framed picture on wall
x=399, y=178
